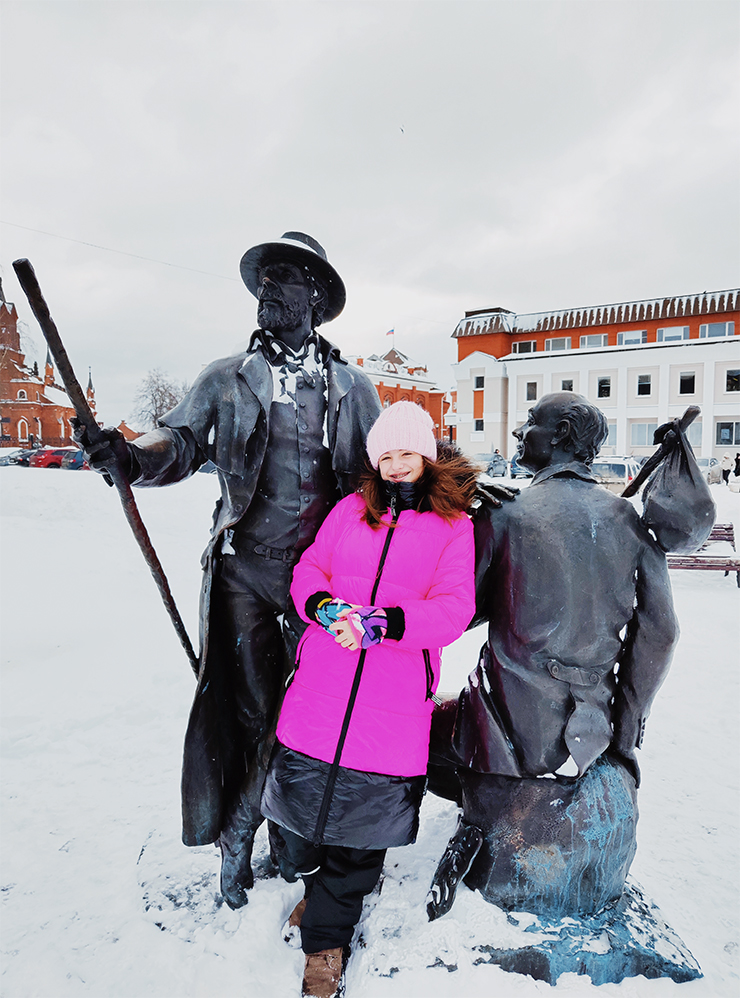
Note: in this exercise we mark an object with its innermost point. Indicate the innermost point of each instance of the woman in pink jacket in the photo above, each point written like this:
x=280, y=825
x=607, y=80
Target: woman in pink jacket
x=386, y=584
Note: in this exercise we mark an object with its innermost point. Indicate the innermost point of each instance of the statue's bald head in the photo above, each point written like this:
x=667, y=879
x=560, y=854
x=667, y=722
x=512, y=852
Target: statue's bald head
x=588, y=428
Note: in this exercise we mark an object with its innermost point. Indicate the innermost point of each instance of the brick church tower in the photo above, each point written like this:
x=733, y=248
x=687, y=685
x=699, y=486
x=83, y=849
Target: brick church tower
x=34, y=410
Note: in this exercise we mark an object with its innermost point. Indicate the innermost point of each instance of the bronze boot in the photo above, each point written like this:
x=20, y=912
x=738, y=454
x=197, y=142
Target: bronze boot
x=236, y=865
x=458, y=857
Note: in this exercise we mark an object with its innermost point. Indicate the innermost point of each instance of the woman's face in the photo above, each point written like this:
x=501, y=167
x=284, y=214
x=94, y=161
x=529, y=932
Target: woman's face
x=400, y=466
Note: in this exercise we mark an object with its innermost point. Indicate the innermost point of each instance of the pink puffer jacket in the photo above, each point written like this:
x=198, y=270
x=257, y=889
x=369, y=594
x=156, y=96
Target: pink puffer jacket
x=428, y=573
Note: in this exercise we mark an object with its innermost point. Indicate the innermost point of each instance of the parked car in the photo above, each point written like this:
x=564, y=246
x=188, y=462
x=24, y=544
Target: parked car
x=498, y=466
x=49, y=457
x=23, y=458
x=74, y=460
x=710, y=468
x=518, y=471
x=13, y=456
x=615, y=472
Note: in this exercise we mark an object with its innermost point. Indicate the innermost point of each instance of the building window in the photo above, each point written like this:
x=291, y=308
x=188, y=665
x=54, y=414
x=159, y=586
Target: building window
x=712, y=329
x=479, y=381
x=561, y=343
x=687, y=383
x=693, y=434
x=644, y=385
x=670, y=333
x=22, y=394
x=604, y=389
x=631, y=337
x=566, y=385
x=641, y=434
x=420, y=403
x=22, y=430
x=387, y=401
x=524, y=346
x=478, y=425
x=531, y=391
x=733, y=381
x=728, y=434
x=595, y=340
x=611, y=440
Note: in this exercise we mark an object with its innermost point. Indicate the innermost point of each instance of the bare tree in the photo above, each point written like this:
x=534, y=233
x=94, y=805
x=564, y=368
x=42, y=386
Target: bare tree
x=155, y=396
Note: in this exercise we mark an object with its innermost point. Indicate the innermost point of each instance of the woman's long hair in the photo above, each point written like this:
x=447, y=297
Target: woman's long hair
x=445, y=487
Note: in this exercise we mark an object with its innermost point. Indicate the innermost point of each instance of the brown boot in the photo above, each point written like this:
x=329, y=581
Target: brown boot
x=292, y=927
x=323, y=976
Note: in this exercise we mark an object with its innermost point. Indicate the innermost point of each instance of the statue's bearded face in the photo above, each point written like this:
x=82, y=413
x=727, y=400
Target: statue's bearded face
x=284, y=297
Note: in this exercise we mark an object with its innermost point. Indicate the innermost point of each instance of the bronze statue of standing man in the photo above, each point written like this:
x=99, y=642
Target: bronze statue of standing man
x=285, y=425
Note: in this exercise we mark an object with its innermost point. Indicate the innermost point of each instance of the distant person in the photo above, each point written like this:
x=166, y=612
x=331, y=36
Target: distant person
x=386, y=584
x=737, y=466
x=726, y=466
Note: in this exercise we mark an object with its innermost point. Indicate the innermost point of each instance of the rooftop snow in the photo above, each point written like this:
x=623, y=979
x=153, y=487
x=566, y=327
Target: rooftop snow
x=498, y=321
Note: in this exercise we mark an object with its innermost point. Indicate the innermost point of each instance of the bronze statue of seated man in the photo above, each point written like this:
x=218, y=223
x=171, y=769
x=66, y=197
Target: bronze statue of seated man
x=581, y=631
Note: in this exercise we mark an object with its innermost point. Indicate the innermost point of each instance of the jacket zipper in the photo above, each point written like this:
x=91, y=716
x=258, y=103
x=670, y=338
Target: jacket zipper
x=430, y=673
x=334, y=771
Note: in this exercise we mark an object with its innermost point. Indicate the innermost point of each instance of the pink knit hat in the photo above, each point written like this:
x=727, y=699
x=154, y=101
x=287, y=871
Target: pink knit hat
x=402, y=426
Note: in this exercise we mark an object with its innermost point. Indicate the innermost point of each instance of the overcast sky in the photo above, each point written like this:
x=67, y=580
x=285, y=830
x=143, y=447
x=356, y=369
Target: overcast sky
x=448, y=155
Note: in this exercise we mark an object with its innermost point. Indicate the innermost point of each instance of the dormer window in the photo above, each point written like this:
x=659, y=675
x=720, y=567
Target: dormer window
x=712, y=329
x=558, y=343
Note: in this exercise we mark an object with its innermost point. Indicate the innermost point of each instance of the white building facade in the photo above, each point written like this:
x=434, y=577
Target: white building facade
x=638, y=385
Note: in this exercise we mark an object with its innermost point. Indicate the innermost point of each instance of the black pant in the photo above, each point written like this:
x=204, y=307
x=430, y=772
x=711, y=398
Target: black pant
x=256, y=650
x=337, y=879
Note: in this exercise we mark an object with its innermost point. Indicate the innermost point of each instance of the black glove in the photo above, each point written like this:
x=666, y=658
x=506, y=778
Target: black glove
x=493, y=493
x=111, y=449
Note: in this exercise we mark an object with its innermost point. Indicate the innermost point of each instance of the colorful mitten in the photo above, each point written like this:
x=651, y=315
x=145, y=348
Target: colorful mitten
x=328, y=611
x=369, y=625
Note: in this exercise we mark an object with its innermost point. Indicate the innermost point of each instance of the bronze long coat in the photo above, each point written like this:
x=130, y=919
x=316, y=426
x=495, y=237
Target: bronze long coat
x=225, y=419
x=571, y=583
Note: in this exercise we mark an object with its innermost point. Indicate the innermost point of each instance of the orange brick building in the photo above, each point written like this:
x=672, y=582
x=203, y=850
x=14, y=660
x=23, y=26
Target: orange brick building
x=35, y=410
x=399, y=380
x=499, y=332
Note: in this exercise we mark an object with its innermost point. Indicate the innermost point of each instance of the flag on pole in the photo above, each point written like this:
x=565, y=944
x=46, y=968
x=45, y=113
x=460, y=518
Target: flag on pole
x=390, y=332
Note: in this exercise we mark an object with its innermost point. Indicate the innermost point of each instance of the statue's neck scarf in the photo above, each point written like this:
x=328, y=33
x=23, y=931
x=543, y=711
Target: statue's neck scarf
x=306, y=363
x=279, y=354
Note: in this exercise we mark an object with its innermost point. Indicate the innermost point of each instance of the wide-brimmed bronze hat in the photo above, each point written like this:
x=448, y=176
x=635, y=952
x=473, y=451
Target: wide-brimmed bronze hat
x=303, y=250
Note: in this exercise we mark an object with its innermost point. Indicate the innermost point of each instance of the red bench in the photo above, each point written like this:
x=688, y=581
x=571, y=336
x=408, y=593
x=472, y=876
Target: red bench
x=711, y=562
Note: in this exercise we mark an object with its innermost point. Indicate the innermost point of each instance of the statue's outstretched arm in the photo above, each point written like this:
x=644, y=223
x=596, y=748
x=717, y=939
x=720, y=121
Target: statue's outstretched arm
x=165, y=456
x=484, y=538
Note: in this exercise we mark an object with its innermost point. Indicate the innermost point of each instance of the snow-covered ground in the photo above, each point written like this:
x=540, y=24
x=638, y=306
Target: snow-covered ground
x=102, y=900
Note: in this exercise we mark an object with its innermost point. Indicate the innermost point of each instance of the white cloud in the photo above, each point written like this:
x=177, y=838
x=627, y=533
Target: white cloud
x=449, y=156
